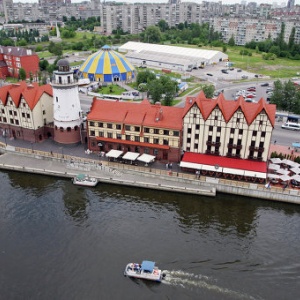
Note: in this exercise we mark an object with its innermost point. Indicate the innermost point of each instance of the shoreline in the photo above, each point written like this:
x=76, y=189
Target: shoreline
x=22, y=160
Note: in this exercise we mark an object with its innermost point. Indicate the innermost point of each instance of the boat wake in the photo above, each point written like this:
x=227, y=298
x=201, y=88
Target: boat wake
x=190, y=280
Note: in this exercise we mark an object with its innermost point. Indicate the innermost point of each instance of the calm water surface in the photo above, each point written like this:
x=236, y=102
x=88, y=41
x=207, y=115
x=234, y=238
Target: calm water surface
x=59, y=241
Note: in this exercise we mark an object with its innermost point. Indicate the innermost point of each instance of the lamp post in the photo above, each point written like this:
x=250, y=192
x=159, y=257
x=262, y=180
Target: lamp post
x=216, y=168
x=31, y=146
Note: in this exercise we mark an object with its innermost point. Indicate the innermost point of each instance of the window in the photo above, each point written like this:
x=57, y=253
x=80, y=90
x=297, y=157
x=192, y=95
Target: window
x=127, y=137
x=254, y=133
x=166, y=132
x=263, y=134
x=196, y=136
x=92, y=132
x=189, y=130
x=92, y=123
x=232, y=130
x=136, y=138
x=146, y=140
x=146, y=129
x=146, y=150
x=156, y=131
x=195, y=146
x=100, y=124
x=137, y=129
x=10, y=112
x=119, y=136
x=118, y=126
x=176, y=133
x=127, y=127
x=110, y=135
x=15, y=113
x=155, y=141
x=56, y=99
x=216, y=118
x=101, y=133
x=240, y=131
x=219, y=129
x=210, y=128
x=197, y=126
x=68, y=129
x=109, y=125
x=61, y=129
x=23, y=115
x=17, y=122
x=11, y=121
x=188, y=140
x=166, y=142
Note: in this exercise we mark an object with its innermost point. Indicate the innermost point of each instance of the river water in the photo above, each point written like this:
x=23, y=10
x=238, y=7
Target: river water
x=59, y=241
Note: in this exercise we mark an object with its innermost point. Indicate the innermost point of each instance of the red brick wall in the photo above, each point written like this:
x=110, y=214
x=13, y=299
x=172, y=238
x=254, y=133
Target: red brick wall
x=67, y=137
x=30, y=64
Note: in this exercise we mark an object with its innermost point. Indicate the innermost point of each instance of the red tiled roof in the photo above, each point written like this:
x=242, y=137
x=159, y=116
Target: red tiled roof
x=225, y=162
x=31, y=93
x=229, y=107
x=142, y=113
x=125, y=142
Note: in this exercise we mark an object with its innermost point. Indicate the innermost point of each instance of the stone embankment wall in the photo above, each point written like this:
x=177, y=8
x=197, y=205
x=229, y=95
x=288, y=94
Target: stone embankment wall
x=153, y=178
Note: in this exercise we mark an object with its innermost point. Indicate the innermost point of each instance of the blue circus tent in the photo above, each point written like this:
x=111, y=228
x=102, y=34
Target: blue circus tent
x=107, y=65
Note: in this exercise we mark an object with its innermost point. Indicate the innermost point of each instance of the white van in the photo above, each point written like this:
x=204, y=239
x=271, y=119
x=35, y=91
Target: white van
x=291, y=126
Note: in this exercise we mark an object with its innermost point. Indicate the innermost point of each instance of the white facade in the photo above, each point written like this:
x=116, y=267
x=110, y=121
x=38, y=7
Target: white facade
x=234, y=137
x=67, y=113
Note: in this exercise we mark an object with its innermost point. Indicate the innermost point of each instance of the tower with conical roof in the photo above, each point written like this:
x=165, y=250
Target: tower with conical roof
x=66, y=105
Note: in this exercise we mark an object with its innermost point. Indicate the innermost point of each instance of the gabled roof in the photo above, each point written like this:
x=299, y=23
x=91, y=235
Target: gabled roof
x=143, y=113
x=229, y=107
x=31, y=93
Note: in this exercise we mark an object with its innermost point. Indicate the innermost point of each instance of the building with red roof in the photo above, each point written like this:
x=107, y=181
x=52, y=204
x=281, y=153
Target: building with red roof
x=26, y=111
x=135, y=127
x=12, y=59
x=227, y=135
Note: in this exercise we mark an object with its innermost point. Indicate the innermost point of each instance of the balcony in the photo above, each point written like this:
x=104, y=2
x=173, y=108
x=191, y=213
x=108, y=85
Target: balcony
x=234, y=146
x=211, y=143
x=257, y=149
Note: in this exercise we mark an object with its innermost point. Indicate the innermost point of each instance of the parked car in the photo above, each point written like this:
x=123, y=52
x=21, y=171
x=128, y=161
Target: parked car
x=251, y=89
x=224, y=71
x=244, y=77
x=250, y=96
x=265, y=84
x=209, y=74
x=239, y=70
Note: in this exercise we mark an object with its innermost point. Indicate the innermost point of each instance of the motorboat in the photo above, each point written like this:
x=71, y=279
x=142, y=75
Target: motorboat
x=147, y=270
x=84, y=180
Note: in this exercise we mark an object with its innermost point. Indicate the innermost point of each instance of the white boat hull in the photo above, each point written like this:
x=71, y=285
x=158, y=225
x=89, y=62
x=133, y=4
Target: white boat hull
x=86, y=182
x=132, y=271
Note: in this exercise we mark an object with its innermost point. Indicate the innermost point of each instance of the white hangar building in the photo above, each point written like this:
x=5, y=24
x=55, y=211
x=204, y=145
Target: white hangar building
x=170, y=57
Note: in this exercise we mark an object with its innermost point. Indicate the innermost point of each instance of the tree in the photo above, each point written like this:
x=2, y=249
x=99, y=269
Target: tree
x=231, y=41
x=152, y=35
x=22, y=74
x=155, y=90
x=208, y=90
x=145, y=77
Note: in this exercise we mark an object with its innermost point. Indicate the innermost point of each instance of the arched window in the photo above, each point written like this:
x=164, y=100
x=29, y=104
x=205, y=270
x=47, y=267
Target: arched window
x=61, y=129
x=68, y=129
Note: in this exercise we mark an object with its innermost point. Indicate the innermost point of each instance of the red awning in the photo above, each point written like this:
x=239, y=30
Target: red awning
x=225, y=162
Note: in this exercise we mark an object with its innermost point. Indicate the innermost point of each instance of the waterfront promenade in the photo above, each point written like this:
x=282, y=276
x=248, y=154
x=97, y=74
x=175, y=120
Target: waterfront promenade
x=52, y=159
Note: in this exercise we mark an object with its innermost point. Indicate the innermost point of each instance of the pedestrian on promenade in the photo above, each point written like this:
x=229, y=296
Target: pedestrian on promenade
x=167, y=166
